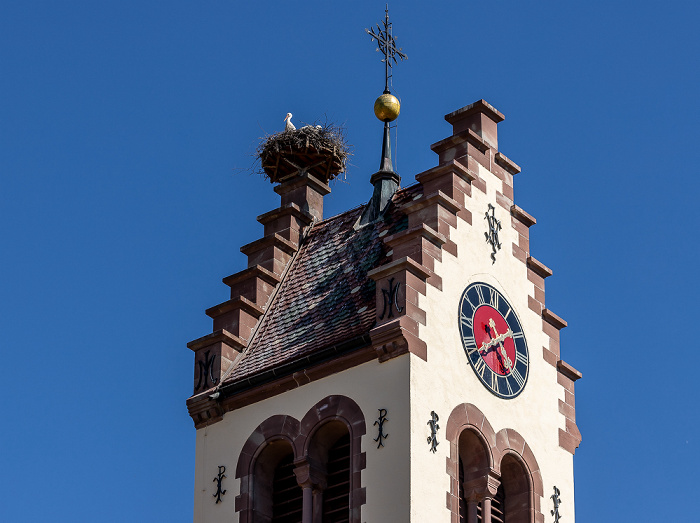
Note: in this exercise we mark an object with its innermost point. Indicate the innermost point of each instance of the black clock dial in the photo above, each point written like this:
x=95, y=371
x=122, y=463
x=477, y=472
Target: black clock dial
x=493, y=340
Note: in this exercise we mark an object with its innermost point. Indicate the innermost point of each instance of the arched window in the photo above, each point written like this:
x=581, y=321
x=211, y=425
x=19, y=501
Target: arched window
x=494, y=477
x=516, y=485
x=329, y=447
x=276, y=494
x=308, y=471
x=476, y=480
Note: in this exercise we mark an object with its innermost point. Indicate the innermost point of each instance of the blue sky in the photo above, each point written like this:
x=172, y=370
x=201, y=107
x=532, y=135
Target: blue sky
x=127, y=133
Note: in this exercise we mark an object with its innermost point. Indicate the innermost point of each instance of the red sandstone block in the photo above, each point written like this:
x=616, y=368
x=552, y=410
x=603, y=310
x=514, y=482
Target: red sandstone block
x=503, y=201
x=535, y=278
x=554, y=346
x=465, y=215
x=570, y=398
x=450, y=247
x=508, y=191
x=572, y=429
x=519, y=253
x=534, y=305
x=565, y=382
x=550, y=330
x=568, y=442
x=539, y=295
x=524, y=242
x=519, y=226
x=522, y=216
x=567, y=410
x=549, y=357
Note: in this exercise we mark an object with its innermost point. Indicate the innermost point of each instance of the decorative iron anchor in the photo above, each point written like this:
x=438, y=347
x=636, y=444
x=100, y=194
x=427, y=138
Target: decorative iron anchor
x=218, y=479
x=434, y=427
x=557, y=502
x=381, y=436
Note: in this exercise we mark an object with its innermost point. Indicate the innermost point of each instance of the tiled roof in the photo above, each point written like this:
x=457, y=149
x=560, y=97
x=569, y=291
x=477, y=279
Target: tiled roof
x=326, y=297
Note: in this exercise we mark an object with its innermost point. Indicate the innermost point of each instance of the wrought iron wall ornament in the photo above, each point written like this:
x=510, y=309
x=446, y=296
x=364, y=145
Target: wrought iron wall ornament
x=381, y=436
x=206, y=369
x=557, y=502
x=492, y=235
x=434, y=427
x=391, y=300
x=218, y=479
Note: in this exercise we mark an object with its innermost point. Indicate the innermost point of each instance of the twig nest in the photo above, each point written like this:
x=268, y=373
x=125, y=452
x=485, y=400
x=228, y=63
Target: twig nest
x=321, y=151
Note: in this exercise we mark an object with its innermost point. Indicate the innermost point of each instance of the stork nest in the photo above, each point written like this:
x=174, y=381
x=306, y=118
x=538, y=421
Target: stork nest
x=321, y=151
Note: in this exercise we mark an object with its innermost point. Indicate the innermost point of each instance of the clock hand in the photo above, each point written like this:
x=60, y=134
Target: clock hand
x=492, y=345
x=495, y=341
x=507, y=363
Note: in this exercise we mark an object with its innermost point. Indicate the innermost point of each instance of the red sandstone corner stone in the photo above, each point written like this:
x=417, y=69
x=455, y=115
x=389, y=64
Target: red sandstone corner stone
x=522, y=216
x=534, y=305
x=568, y=442
x=538, y=267
x=568, y=411
x=565, y=382
x=568, y=371
x=508, y=165
x=549, y=357
x=556, y=321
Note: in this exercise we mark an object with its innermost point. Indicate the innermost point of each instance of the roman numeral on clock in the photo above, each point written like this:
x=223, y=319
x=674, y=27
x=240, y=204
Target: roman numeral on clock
x=480, y=294
x=467, y=321
x=480, y=367
x=518, y=377
x=494, y=299
x=521, y=357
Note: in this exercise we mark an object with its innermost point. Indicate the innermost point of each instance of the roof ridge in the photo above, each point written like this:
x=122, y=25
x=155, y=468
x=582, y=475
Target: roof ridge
x=341, y=214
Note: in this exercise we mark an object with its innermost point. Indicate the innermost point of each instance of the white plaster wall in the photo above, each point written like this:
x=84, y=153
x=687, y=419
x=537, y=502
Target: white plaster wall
x=447, y=380
x=372, y=386
x=410, y=388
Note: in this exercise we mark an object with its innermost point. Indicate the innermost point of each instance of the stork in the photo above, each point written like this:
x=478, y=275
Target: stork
x=289, y=125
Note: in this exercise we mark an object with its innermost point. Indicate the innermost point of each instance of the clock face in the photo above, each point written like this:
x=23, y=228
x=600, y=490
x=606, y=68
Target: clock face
x=493, y=340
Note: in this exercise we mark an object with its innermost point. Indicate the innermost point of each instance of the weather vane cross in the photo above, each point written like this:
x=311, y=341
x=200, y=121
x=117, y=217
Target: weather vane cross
x=387, y=46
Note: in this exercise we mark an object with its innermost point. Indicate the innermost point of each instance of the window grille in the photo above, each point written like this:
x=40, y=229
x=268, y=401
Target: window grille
x=498, y=506
x=287, y=499
x=336, y=497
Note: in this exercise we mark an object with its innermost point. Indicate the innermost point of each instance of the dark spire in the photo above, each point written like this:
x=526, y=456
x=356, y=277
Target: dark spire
x=386, y=108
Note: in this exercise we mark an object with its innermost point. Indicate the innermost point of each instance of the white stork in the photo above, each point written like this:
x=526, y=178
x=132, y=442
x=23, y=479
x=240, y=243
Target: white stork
x=289, y=125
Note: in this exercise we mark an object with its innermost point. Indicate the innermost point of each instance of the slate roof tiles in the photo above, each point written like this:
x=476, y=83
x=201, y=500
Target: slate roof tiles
x=326, y=297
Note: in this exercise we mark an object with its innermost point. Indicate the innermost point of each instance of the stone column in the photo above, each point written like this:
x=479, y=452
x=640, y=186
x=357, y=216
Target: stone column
x=311, y=477
x=472, y=509
x=486, y=510
x=307, y=515
x=318, y=505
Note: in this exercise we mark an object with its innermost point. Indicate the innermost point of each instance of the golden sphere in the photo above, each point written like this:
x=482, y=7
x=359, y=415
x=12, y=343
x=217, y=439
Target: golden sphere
x=387, y=107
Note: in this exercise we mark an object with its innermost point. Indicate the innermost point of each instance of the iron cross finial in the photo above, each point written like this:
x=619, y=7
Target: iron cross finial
x=387, y=46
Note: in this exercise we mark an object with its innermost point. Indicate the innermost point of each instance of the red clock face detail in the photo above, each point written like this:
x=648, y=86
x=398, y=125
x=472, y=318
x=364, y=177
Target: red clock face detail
x=493, y=340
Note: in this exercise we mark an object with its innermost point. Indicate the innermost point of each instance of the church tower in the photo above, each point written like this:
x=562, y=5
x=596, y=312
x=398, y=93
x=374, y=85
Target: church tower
x=394, y=363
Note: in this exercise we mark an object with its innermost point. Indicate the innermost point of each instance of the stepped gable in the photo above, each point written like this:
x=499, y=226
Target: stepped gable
x=327, y=297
